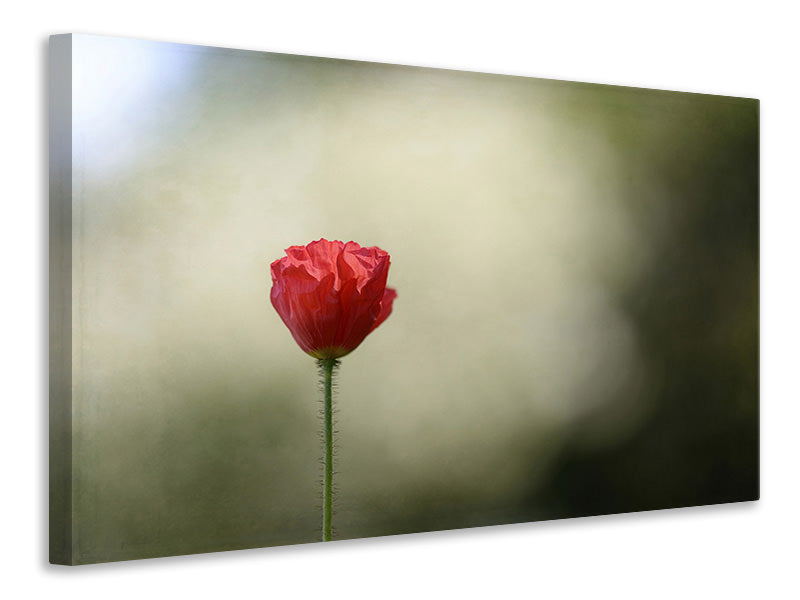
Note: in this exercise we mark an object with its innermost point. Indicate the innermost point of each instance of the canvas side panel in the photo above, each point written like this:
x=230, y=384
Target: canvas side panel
x=60, y=298
x=758, y=297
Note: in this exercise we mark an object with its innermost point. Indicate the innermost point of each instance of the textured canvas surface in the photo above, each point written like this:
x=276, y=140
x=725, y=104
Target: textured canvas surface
x=575, y=333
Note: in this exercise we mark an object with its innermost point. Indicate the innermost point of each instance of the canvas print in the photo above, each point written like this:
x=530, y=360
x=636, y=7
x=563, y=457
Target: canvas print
x=299, y=299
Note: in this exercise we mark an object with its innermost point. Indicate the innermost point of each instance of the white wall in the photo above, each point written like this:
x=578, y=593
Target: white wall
x=717, y=47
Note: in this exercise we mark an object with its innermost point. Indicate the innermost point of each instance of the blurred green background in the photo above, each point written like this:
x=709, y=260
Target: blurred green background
x=576, y=331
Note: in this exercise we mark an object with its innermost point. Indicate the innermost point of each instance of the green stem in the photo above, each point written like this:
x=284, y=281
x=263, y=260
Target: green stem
x=327, y=365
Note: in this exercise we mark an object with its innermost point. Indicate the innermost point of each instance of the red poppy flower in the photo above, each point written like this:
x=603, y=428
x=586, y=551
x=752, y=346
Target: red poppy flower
x=331, y=295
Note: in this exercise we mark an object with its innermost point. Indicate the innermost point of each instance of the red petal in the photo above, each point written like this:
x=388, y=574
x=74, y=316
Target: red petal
x=386, y=306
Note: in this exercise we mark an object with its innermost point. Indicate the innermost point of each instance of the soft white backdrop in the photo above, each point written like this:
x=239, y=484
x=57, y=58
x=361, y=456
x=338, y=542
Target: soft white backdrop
x=738, y=49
